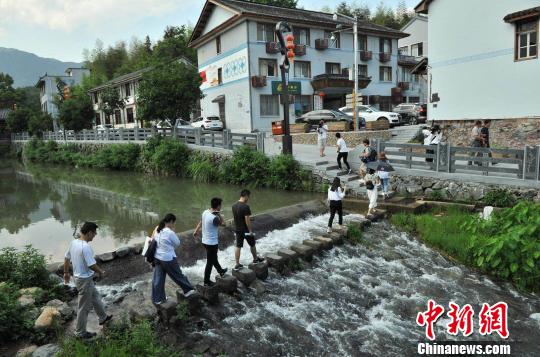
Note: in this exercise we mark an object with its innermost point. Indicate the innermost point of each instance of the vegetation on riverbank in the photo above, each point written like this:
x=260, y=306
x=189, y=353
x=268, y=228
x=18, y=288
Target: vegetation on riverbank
x=507, y=245
x=163, y=156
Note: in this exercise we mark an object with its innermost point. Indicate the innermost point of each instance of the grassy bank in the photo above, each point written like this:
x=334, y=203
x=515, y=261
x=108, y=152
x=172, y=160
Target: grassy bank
x=506, y=246
x=162, y=156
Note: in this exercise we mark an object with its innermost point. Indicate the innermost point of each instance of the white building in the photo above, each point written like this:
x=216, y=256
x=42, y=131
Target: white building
x=412, y=50
x=483, y=59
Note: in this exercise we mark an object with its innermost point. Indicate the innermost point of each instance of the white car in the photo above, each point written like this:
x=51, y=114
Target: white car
x=208, y=123
x=371, y=114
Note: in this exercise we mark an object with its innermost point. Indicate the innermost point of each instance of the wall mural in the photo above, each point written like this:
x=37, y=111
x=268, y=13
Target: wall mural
x=233, y=67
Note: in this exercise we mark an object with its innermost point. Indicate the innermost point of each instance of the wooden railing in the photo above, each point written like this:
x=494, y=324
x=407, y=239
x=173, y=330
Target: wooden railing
x=196, y=136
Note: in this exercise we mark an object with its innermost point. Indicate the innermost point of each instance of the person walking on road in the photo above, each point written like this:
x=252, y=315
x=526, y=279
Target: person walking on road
x=336, y=193
x=343, y=153
x=243, y=229
x=211, y=220
x=372, y=180
x=166, y=262
x=484, y=134
x=81, y=255
x=322, y=134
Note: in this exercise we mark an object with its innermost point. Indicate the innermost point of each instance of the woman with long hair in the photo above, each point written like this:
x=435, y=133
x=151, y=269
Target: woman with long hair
x=372, y=180
x=335, y=197
x=165, y=261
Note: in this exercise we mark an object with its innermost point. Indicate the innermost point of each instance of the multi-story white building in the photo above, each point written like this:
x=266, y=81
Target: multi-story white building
x=52, y=85
x=238, y=59
x=413, y=50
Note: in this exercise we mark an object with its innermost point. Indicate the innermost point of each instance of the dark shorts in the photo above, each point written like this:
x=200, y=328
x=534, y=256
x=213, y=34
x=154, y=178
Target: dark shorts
x=240, y=236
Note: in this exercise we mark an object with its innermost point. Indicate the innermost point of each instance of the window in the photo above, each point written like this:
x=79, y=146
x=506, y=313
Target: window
x=303, y=104
x=265, y=32
x=362, y=42
x=219, y=76
x=403, y=50
x=98, y=119
x=129, y=115
x=417, y=49
x=269, y=105
x=527, y=40
x=117, y=117
x=335, y=42
x=302, y=69
x=95, y=97
x=218, y=44
x=363, y=70
x=128, y=89
x=333, y=68
x=385, y=45
x=268, y=67
x=414, y=99
x=385, y=74
x=301, y=36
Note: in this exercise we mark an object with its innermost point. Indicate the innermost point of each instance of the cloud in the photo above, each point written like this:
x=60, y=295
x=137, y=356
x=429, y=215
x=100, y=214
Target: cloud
x=92, y=14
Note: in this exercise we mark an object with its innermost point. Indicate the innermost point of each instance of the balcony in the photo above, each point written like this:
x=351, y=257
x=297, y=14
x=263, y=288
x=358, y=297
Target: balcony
x=404, y=85
x=272, y=47
x=300, y=50
x=338, y=83
x=258, y=81
x=321, y=43
x=385, y=57
x=366, y=55
x=408, y=61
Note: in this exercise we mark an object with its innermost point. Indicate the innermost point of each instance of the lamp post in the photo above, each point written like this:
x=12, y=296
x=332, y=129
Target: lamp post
x=286, y=51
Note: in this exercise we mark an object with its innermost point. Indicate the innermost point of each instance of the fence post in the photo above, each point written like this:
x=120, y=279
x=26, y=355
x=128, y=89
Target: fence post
x=136, y=133
x=409, y=156
x=525, y=153
x=121, y=134
x=198, y=133
x=437, y=157
x=537, y=166
x=378, y=145
x=449, y=156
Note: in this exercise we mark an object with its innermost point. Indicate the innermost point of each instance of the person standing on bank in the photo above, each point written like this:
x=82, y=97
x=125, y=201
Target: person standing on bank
x=484, y=134
x=322, y=134
x=81, y=255
x=343, y=152
x=211, y=220
x=243, y=229
x=166, y=262
x=335, y=197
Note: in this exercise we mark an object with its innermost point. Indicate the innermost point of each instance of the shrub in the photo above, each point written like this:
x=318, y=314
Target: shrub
x=354, y=234
x=499, y=198
x=246, y=166
x=508, y=244
x=26, y=268
x=202, y=169
x=14, y=319
x=286, y=173
x=170, y=157
x=137, y=340
x=405, y=221
x=436, y=195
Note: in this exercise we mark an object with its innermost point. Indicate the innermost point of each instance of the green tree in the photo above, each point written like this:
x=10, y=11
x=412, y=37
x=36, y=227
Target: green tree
x=29, y=98
x=77, y=112
x=281, y=3
x=40, y=122
x=168, y=92
x=111, y=101
x=8, y=94
x=385, y=16
x=174, y=44
x=17, y=120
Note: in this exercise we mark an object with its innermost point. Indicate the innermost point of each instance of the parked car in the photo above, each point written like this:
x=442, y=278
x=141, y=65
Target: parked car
x=328, y=115
x=182, y=124
x=412, y=113
x=103, y=127
x=371, y=114
x=208, y=123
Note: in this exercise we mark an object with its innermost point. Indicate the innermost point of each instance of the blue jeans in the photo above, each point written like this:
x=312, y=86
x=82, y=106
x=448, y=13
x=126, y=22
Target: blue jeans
x=385, y=184
x=172, y=269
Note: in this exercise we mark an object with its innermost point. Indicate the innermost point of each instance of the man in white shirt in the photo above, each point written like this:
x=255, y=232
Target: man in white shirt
x=81, y=255
x=322, y=134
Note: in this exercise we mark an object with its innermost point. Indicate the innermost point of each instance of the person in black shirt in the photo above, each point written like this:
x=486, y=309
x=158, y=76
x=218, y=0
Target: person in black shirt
x=484, y=135
x=242, y=222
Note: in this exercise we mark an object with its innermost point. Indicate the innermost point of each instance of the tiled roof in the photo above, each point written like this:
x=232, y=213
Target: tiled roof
x=323, y=19
x=534, y=11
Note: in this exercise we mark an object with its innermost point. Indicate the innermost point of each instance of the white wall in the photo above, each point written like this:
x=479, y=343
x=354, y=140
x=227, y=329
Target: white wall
x=219, y=16
x=472, y=63
x=418, y=32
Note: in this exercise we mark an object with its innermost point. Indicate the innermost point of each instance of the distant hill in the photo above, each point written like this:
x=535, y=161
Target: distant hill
x=26, y=67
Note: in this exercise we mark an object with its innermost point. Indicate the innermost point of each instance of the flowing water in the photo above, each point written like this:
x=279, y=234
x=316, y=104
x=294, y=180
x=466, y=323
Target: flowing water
x=43, y=206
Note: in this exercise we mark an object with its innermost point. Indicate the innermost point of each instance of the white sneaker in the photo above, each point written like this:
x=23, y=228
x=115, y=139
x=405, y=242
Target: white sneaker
x=189, y=293
x=329, y=230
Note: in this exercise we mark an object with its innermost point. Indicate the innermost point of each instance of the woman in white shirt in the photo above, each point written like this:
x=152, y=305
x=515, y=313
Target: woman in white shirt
x=322, y=132
x=335, y=197
x=343, y=152
x=372, y=180
x=165, y=261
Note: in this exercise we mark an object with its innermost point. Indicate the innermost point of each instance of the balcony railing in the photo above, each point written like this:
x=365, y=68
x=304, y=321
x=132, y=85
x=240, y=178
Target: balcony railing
x=258, y=81
x=300, y=50
x=403, y=85
x=321, y=43
x=272, y=47
x=406, y=60
x=366, y=55
x=338, y=81
x=385, y=57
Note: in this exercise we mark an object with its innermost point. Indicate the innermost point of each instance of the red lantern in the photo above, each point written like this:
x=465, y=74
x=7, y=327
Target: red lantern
x=290, y=54
x=289, y=38
x=322, y=94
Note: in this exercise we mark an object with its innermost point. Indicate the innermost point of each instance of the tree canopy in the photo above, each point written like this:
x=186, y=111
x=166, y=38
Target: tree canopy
x=77, y=112
x=383, y=15
x=282, y=3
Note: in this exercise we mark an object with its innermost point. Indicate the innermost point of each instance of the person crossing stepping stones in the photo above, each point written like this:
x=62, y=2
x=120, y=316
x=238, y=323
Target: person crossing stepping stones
x=243, y=229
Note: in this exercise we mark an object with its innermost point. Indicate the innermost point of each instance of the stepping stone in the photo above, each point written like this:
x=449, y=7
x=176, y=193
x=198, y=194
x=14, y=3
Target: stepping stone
x=303, y=251
x=337, y=238
x=227, y=284
x=317, y=246
x=167, y=310
x=260, y=269
x=288, y=254
x=343, y=231
x=123, y=251
x=379, y=215
x=276, y=262
x=105, y=257
x=259, y=287
x=326, y=242
x=209, y=293
x=245, y=276
x=193, y=301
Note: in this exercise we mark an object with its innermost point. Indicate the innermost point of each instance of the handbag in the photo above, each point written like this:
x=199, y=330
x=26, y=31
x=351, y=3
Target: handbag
x=369, y=185
x=150, y=250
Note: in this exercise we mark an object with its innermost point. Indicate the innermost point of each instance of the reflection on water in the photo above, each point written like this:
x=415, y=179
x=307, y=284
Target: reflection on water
x=43, y=206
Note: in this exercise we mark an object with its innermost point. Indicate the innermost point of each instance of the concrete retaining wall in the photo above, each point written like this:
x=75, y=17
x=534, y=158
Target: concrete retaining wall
x=353, y=139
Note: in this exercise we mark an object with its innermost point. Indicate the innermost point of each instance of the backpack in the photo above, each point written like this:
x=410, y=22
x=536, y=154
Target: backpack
x=151, y=251
x=372, y=155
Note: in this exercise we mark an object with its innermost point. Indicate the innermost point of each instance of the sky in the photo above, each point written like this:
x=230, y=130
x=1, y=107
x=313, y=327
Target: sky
x=62, y=29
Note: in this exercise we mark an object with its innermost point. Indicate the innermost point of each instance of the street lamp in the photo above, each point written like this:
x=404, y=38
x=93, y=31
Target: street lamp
x=287, y=50
x=355, y=69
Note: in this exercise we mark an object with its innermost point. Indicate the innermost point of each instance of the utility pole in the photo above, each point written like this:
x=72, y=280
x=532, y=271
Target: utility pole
x=287, y=50
x=355, y=72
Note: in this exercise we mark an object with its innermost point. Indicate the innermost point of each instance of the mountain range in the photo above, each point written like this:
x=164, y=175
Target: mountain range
x=25, y=68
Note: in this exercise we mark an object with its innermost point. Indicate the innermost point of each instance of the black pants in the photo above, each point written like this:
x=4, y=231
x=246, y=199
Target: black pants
x=343, y=155
x=211, y=261
x=335, y=206
x=429, y=151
